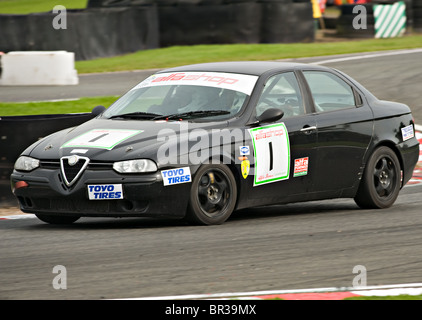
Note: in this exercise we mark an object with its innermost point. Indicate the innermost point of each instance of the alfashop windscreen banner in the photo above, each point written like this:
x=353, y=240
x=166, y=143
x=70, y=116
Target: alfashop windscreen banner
x=232, y=81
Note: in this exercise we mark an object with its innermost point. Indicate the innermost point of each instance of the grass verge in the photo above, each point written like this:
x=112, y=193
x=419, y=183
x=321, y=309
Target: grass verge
x=56, y=107
x=181, y=55
x=32, y=6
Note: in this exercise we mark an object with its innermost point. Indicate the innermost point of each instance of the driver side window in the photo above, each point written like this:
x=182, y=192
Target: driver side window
x=282, y=92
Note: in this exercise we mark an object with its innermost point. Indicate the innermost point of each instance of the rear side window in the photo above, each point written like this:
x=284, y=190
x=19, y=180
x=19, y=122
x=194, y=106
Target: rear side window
x=329, y=91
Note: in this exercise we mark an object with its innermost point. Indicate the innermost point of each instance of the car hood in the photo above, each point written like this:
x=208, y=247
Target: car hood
x=123, y=139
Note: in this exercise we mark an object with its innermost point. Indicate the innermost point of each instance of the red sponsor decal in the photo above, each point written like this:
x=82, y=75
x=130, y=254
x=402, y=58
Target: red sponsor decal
x=269, y=134
x=301, y=167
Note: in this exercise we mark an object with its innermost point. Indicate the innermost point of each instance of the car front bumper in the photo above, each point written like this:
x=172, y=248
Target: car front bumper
x=43, y=191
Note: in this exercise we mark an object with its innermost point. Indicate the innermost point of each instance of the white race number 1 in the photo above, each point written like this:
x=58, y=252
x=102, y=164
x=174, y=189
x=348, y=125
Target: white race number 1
x=271, y=152
x=101, y=138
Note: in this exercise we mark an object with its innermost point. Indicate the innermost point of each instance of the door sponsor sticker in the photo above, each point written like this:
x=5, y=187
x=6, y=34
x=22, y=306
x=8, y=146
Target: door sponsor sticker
x=245, y=167
x=176, y=176
x=271, y=152
x=244, y=150
x=105, y=191
x=407, y=132
x=301, y=167
x=101, y=138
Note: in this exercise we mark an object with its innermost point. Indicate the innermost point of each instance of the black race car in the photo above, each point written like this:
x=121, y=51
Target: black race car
x=201, y=141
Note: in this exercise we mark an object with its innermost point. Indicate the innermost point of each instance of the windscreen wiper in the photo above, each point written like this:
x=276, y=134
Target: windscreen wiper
x=192, y=114
x=136, y=115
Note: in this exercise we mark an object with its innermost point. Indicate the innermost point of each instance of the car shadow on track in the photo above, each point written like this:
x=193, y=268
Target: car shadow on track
x=293, y=209
x=244, y=215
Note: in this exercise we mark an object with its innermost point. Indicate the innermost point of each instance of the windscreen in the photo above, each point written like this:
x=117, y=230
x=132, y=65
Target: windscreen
x=198, y=95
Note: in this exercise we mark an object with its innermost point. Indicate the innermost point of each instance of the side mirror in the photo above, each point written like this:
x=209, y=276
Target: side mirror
x=270, y=115
x=98, y=110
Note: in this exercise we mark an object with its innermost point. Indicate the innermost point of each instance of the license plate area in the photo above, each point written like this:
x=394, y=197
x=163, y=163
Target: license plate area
x=105, y=191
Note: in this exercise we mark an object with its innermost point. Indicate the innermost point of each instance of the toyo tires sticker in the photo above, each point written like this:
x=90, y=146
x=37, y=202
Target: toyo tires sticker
x=176, y=176
x=105, y=191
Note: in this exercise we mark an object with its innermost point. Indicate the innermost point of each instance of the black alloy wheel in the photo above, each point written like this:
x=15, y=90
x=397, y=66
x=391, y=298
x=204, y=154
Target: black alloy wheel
x=213, y=195
x=381, y=181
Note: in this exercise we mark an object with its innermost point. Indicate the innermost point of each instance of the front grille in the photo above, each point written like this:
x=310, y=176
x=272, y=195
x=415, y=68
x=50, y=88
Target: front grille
x=93, y=165
x=100, y=166
x=71, y=205
x=50, y=164
x=72, y=171
x=72, y=167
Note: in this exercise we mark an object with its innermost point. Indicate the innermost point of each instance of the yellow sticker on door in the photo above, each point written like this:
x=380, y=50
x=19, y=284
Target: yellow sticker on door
x=245, y=167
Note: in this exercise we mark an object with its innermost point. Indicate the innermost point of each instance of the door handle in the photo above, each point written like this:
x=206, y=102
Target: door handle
x=308, y=129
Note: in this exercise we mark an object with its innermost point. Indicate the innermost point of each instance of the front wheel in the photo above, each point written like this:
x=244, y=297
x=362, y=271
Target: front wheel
x=213, y=195
x=381, y=181
x=53, y=219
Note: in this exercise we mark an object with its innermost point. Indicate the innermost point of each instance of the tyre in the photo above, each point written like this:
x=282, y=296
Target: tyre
x=417, y=24
x=53, y=219
x=279, y=19
x=281, y=1
x=417, y=13
x=417, y=4
x=381, y=181
x=347, y=9
x=213, y=195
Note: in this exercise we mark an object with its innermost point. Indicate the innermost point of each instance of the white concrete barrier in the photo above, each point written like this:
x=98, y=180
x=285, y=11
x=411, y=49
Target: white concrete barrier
x=38, y=68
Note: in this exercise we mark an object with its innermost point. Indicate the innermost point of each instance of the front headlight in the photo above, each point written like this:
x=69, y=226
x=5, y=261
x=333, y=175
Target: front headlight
x=25, y=163
x=135, y=166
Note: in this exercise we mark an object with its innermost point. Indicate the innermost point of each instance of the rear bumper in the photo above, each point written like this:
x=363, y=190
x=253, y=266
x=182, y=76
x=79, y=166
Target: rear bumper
x=409, y=157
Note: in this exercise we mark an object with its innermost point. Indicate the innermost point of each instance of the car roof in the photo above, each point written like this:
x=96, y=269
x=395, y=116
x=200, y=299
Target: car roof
x=243, y=67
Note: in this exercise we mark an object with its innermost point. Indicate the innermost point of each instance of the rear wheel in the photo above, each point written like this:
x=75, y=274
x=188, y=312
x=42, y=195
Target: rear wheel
x=381, y=181
x=53, y=219
x=213, y=195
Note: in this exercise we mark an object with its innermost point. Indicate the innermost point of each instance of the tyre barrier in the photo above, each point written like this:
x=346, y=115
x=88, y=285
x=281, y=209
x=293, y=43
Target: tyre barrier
x=347, y=17
x=112, y=27
x=210, y=24
x=287, y=22
x=89, y=33
x=18, y=132
x=417, y=15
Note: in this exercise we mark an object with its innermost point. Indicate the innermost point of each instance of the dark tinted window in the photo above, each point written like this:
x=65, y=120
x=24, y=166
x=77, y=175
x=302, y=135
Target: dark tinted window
x=282, y=92
x=329, y=91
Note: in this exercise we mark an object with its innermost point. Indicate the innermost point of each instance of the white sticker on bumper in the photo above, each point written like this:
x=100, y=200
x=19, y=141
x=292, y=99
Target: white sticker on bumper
x=105, y=191
x=176, y=176
x=407, y=132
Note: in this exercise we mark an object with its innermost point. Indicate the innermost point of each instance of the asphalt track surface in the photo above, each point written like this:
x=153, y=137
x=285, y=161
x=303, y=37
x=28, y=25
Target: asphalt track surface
x=307, y=245
x=303, y=245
